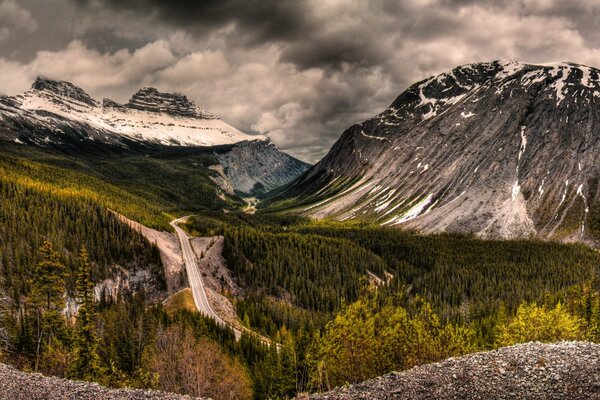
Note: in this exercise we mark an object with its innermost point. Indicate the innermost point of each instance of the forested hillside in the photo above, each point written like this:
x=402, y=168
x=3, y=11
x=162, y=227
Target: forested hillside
x=147, y=185
x=356, y=301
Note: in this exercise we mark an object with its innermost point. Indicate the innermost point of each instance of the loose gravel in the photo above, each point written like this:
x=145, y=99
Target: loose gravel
x=566, y=370
x=17, y=385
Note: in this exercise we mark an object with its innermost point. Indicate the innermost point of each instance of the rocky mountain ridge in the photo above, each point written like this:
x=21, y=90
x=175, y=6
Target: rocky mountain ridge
x=499, y=149
x=52, y=110
x=150, y=99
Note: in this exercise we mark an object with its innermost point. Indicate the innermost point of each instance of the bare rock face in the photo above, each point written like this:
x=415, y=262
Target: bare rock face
x=500, y=149
x=63, y=89
x=150, y=99
x=567, y=370
x=257, y=167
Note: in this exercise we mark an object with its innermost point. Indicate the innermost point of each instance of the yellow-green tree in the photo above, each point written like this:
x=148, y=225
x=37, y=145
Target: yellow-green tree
x=366, y=340
x=539, y=323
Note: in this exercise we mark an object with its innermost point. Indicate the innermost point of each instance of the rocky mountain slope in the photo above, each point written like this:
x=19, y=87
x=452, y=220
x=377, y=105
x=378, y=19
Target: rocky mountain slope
x=17, y=385
x=567, y=370
x=500, y=149
x=259, y=166
x=60, y=114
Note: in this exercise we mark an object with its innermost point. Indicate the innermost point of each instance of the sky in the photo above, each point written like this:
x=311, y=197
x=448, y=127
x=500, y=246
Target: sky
x=299, y=71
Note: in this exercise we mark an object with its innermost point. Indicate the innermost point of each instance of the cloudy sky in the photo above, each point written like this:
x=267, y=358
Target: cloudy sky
x=299, y=71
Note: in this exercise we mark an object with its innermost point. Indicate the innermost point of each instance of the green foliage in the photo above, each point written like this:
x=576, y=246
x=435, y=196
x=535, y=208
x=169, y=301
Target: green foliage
x=29, y=217
x=315, y=271
x=86, y=364
x=147, y=186
x=366, y=339
x=48, y=286
x=463, y=275
x=540, y=323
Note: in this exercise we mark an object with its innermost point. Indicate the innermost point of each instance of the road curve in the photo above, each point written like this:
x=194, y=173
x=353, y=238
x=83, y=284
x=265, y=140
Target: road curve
x=195, y=278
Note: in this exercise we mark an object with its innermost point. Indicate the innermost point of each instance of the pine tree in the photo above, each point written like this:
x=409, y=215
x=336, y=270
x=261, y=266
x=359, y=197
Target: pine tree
x=47, y=297
x=87, y=362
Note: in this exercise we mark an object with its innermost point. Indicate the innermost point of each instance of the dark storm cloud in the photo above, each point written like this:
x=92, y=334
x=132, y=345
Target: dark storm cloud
x=258, y=20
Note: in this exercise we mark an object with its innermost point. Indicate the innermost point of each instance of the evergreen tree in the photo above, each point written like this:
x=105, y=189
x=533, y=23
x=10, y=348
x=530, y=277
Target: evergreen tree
x=87, y=362
x=47, y=298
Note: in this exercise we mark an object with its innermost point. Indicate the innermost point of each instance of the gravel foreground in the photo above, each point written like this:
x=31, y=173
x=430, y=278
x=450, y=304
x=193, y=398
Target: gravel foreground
x=566, y=370
x=17, y=385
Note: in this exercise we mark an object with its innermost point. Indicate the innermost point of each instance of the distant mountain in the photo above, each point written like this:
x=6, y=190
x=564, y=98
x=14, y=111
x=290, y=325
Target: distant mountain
x=258, y=167
x=60, y=114
x=502, y=149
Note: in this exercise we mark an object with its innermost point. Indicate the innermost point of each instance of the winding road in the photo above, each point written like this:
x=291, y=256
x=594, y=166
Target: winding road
x=195, y=278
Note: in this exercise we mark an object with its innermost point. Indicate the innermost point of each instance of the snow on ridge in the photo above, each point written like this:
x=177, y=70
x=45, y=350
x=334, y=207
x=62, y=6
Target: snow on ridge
x=564, y=70
x=509, y=68
x=412, y=213
x=383, y=138
x=158, y=127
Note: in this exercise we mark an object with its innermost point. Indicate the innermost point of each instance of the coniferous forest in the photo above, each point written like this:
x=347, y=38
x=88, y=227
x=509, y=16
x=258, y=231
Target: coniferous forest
x=343, y=302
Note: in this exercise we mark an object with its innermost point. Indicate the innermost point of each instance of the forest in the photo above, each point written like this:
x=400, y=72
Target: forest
x=344, y=301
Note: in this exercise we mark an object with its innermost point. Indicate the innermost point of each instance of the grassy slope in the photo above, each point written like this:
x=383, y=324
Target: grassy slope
x=182, y=300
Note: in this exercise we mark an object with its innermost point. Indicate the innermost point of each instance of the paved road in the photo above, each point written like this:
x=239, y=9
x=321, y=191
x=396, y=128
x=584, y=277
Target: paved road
x=195, y=278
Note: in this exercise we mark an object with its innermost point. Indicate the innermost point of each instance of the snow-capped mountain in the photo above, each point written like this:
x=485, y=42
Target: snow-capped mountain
x=501, y=149
x=60, y=114
x=150, y=116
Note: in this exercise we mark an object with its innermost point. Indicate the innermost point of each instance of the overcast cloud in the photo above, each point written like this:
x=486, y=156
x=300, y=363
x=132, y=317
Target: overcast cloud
x=298, y=71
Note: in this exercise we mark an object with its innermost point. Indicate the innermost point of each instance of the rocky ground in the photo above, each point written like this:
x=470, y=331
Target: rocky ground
x=17, y=385
x=567, y=370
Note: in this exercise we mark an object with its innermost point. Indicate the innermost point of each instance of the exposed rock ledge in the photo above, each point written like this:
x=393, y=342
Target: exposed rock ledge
x=17, y=385
x=567, y=370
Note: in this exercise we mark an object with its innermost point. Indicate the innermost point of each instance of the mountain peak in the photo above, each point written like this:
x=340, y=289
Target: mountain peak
x=498, y=149
x=150, y=99
x=63, y=89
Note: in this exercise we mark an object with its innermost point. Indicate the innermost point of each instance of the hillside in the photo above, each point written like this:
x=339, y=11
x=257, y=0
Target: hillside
x=499, y=149
x=566, y=370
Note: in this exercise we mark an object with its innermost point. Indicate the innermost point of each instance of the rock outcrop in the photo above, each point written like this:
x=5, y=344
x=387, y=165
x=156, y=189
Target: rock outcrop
x=257, y=167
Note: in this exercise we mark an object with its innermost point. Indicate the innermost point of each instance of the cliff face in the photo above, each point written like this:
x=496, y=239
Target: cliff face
x=500, y=149
x=257, y=167
x=565, y=370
